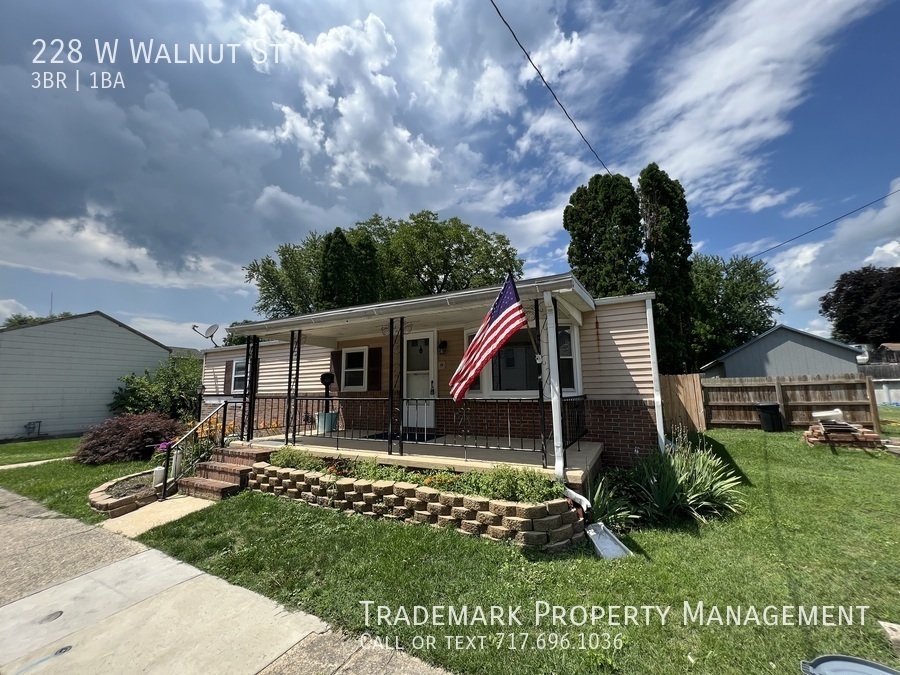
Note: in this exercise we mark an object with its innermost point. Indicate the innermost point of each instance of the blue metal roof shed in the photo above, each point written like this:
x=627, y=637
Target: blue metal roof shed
x=785, y=351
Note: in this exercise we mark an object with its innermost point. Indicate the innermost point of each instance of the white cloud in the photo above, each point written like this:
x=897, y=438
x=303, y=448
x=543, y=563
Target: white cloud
x=9, y=307
x=807, y=271
x=728, y=92
x=752, y=247
x=171, y=333
x=696, y=246
x=819, y=326
x=887, y=255
x=83, y=248
x=769, y=198
x=801, y=209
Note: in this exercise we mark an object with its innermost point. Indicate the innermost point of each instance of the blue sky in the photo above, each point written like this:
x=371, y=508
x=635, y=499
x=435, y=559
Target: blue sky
x=146, y=200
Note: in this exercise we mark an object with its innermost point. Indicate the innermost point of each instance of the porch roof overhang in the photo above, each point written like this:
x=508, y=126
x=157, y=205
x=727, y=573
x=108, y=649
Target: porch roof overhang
x=429, y=312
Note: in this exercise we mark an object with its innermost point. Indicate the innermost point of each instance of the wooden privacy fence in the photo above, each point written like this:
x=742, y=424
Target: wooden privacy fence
x=698, y=404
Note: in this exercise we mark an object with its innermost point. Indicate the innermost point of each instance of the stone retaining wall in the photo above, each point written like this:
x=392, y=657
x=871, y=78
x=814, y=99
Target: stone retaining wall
x=550, y=526
x=119, y=506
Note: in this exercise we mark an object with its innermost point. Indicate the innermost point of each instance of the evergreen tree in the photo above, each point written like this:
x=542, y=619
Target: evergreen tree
x=336, y=286
x=604, y=222
x=667, y=247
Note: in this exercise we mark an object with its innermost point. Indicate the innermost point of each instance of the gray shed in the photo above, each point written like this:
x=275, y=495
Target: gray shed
x=58, y=377
x=785, y=351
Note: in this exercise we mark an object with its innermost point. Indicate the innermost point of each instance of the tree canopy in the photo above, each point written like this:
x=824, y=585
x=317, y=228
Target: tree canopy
x=377, y=260
x=603, y=220
x=864, y=305
x=21, y=320
x=734, y=302
x=668, y=249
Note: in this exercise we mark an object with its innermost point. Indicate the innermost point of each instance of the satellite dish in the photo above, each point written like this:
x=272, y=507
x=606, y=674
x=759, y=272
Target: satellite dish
x=209, y=332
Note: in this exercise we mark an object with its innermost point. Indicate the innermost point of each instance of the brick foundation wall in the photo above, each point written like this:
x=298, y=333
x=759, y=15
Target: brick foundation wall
x=627, y=430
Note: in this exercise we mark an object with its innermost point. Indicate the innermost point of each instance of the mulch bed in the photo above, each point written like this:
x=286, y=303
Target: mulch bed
x=135, y=485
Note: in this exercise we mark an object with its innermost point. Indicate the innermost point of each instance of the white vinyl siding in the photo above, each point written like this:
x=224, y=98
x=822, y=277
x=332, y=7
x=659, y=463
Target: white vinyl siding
x=64, y=373
x=615, y=352
x=273, y=368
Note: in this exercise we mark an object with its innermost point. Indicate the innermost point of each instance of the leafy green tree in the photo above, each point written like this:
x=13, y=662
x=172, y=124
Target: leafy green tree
x=170, y=390
x=380, y=259
x=22, y=320
x=232, y=340
x=438, y=256
x=864, y=305
x=734, y=302
x=604, y=222
x=667, y=247
x=287, y=286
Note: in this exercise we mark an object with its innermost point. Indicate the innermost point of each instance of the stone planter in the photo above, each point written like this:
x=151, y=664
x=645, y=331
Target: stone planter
x=101, y=501
x=550, y=526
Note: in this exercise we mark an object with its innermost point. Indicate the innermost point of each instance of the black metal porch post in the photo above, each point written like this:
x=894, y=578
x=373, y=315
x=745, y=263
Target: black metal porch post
x=253, y=383
x=402, y=403
x=287, y=398
x=537, y=323
x=245, y=393
x=296, y=384
x=390, y=428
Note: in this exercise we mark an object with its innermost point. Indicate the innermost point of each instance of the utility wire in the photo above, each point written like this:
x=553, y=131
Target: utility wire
x=830, y=222
x=547, y=84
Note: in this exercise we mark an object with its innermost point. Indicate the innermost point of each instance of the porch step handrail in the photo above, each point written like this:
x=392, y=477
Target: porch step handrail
x=201, y=456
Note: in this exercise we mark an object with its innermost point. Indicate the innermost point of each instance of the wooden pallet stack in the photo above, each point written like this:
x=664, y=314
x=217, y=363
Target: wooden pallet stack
x=843, y=434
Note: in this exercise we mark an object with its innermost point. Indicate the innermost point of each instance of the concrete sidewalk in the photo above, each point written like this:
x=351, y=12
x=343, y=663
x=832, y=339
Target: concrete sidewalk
x=75, y=598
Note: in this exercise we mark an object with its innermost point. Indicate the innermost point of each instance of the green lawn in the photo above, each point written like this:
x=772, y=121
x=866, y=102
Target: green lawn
x=821, y=529
x=32, y=451
x=890, y=420
x=64, y=486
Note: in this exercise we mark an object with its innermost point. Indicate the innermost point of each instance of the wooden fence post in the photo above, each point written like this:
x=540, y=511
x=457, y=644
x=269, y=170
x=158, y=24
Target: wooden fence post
x=782, y=405
x=873, y=405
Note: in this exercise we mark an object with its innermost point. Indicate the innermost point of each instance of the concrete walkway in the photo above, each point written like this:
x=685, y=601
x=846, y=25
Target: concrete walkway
x=76, y=598
x=40, y=461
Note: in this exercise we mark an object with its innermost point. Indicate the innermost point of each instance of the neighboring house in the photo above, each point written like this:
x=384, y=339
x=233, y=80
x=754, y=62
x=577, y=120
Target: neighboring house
x=59, y=376
x=785, y=351
x=603, y=386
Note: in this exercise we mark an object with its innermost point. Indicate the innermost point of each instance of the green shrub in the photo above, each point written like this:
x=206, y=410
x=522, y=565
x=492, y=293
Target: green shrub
x=611, y=505
x=126, y=438
x=686, y=481
x=295, y=458
x=504, y=482
x=170, y=390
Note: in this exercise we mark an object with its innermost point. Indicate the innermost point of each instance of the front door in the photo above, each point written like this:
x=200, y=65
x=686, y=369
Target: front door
x=418, y=385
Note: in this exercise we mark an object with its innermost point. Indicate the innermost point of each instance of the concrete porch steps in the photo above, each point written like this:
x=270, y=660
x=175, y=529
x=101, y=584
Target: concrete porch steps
x=242, y=456
x=207, y=488
x=225, y=474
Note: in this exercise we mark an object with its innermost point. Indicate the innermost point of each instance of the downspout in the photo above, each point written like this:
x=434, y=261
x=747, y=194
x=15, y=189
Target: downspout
x=657, y=394
x=559, y=450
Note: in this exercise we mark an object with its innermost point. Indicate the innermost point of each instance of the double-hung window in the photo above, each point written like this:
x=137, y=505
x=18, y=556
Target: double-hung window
x=353, y=372
x=239, y=377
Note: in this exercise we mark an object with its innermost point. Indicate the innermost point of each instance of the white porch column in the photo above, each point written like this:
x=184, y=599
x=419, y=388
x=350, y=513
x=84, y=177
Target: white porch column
x=555, y=389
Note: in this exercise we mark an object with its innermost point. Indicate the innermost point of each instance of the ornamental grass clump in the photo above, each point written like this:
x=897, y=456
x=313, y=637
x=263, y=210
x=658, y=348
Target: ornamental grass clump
x=686, y=482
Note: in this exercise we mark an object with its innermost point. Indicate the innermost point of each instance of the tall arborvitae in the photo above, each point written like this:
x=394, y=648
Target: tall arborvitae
x=335, y=286
x=604, y=222
x=667, y=247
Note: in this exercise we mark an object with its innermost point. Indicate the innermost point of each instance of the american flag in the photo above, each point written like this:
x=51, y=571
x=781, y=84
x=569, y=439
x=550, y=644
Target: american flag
x=503, y=321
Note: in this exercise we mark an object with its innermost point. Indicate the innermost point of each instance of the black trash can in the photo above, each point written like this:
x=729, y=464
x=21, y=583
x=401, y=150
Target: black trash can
x=770, y=416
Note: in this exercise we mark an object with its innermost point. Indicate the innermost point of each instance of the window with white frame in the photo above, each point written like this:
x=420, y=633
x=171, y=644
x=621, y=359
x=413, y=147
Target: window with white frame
x=239, y=377
x=514, y=370
x=353, y=372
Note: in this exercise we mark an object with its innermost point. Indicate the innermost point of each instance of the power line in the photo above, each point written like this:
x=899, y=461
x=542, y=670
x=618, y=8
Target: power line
x=830, y=222
x=547, y=84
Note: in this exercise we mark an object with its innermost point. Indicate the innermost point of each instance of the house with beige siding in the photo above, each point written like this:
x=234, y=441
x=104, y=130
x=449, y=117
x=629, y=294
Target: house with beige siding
x=591, y=390
x=58, y=377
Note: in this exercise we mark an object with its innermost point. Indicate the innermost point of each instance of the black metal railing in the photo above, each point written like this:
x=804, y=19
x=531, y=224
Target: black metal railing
x=574, y=424
x=339, y=418
x=195, y=446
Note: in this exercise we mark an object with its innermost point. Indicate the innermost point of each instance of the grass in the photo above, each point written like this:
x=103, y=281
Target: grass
x=890, y=420
x=820, y=529
x=64, y=486
x=33, y=451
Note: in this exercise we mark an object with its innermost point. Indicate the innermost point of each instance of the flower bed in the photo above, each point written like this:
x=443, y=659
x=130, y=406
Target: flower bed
x=551, y=525
x=101, y=500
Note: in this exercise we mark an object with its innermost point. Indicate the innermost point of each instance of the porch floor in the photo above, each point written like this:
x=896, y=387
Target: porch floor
x=582, y=465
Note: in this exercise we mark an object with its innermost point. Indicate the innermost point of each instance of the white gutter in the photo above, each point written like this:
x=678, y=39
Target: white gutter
x=654, y=365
